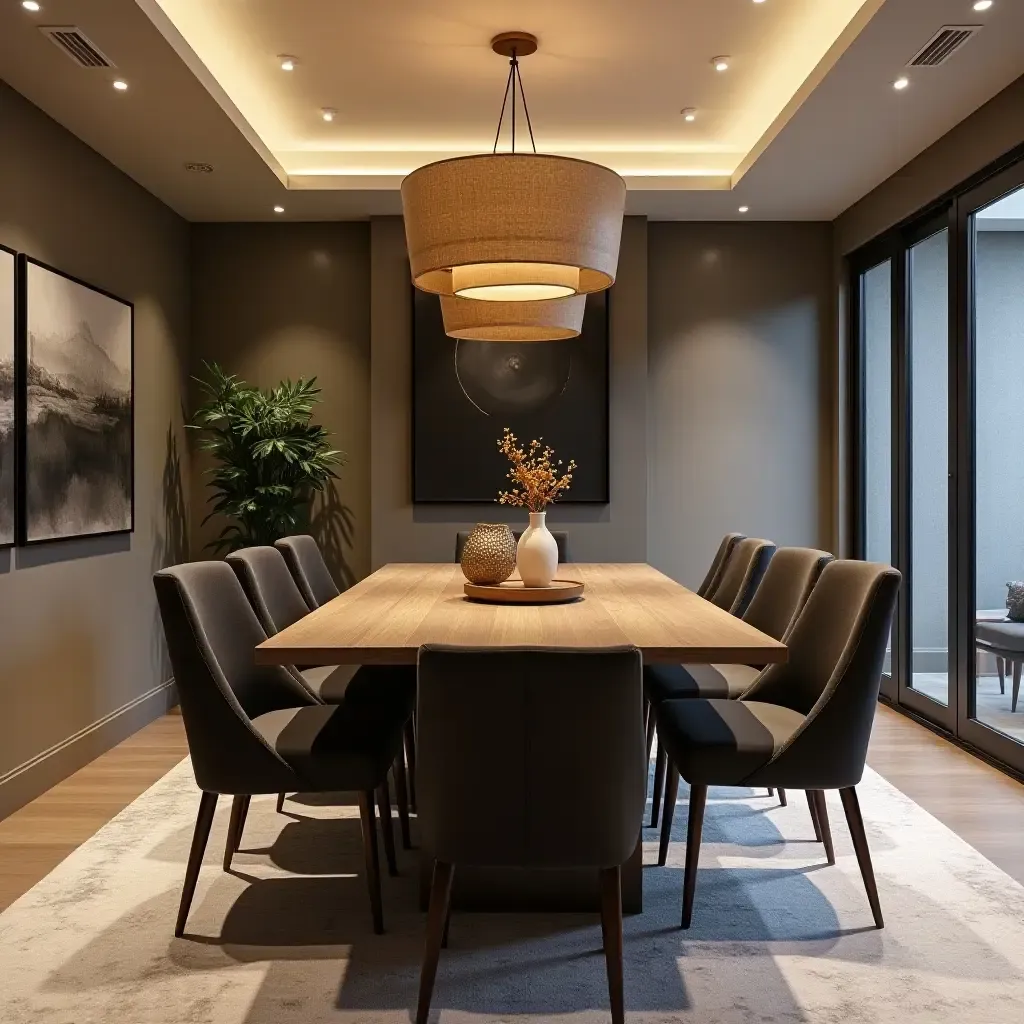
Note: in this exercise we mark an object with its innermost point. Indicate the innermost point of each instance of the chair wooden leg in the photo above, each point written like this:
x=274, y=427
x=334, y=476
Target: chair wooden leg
x=660, y=766
x=611, y=928
x=437, y=915
x=856, y=823
x=1016, y=686
x=771, y=792
x=369, y=827
x=812, y=807
x=204, y=819
x=387, y=827
x=668, y=812
x=239, y=810
x=650, y=724
x=280, y=803
x=694, y=825
x=823, y=824
x=783, y=799
x=1001, y=669
x=410, y=756
x=860, y=845
x=402, y=799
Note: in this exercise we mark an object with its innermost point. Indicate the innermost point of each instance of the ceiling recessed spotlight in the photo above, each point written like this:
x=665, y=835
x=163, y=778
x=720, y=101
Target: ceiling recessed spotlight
x=758, y=1
x=287, y=63
x=983, y=5
x=689, y=113
x=278, y=209
x=901, y=84
x=30, y=5
x=120, y=84
x=328, y=113
x=720, y=63
x=746, y=209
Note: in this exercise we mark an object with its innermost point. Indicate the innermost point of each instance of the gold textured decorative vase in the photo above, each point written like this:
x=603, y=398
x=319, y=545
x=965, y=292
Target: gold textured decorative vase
x=489, y=556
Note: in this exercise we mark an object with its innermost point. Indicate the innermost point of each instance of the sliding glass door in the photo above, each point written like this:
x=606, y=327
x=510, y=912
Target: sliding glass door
x=938, y=418
x=992, y=224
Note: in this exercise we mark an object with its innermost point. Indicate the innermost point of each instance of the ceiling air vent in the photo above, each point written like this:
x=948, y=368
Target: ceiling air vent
x=77, y=45
x=943, y=45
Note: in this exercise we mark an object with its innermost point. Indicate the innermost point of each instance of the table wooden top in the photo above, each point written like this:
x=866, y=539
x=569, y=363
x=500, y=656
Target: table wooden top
x=384, y=619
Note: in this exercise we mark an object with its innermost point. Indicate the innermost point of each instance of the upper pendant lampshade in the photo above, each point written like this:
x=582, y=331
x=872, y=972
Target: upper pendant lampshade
x=545, y=320
x=513, y=226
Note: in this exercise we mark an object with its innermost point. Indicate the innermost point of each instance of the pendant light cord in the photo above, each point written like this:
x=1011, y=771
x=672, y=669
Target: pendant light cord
x=513, y=77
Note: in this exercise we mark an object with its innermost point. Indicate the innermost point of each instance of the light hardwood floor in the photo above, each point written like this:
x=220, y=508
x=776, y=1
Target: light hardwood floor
x=979, y=803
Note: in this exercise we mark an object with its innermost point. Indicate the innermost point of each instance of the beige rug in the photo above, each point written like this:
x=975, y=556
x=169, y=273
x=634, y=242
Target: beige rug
x=778, y=936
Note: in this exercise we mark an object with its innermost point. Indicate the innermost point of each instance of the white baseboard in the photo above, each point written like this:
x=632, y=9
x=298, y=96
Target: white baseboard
x=40, y=773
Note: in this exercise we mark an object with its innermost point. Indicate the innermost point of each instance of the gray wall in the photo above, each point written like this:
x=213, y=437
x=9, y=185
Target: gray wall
x=81, y=657
x=404, y=532
x=273, y=301
x=739, y=319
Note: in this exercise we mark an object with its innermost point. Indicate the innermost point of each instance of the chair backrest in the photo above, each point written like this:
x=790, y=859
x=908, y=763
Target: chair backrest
x=741, y=574
x=786, y=585
x=561, y=539
x=211, y=631
x=530, y=757
x=269, y=586
x=836, y=652
x=307, y=566
x=714, y=573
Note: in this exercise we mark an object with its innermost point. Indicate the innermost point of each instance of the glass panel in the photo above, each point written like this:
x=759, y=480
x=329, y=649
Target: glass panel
x=928, y=358
x=876, y=318
x=999, y=426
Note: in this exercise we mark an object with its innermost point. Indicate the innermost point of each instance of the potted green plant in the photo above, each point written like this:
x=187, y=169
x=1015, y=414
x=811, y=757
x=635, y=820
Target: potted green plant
x=269, y=458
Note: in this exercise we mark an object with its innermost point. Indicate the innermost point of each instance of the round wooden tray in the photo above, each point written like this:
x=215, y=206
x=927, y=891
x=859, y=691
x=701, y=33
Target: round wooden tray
x=515, y=592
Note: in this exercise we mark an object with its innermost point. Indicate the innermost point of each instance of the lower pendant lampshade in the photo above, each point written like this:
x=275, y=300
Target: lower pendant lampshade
x=542, y=320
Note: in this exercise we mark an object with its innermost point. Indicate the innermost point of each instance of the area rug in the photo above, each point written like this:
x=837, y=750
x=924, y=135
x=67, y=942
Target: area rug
x=777, y=936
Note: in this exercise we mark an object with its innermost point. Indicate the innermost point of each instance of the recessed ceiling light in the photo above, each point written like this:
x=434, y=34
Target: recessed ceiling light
x=287, y=63
x=981, y=5
x=120, y=84
x=758, y=1
x=328, y=113
x=30, y=5
x=746, y=209
x=720, y=63
x=689, y=113
x=901, y=83
x=278, y=209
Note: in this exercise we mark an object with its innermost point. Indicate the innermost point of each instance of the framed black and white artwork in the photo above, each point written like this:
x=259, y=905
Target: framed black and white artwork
x=466, y=392
x=7, y=428
x=76, y=392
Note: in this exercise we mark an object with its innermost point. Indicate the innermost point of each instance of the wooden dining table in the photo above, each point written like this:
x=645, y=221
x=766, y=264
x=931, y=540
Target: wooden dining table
x=387, y=617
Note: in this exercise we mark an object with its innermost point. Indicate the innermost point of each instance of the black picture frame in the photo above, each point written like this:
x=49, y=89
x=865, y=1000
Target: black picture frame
x=9, y=450
x=428, y=339
x=25, y=264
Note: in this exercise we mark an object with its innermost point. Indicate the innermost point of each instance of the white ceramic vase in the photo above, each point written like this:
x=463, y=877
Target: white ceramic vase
x=537, y=553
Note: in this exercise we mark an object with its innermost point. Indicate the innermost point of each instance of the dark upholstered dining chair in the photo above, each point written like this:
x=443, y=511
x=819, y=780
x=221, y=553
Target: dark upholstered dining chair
x=307, y=566
x=276, y=600
x=714, y=573
x=575, y=716
x=741, y=573
x=257, y=729
x=316, y=584
x=804, y=724
x=738, y=578
x=561, y=540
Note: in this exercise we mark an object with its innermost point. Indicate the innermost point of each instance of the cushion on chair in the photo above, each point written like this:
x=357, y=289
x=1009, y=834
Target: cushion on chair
x=391, y=686
x=337, y=747
x=722, y=742
x=1006, y=635
x=675, y=682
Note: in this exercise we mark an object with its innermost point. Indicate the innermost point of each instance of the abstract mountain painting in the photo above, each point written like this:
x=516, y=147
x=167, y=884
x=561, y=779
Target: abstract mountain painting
x=77, y=475
x=7, y=449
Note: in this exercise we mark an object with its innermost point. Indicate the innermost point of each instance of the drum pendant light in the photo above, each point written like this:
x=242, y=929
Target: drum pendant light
x=543, y=320
x=513, y=227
